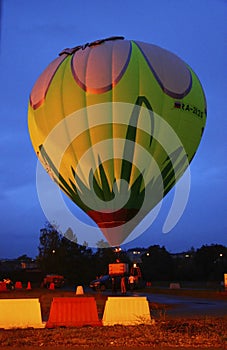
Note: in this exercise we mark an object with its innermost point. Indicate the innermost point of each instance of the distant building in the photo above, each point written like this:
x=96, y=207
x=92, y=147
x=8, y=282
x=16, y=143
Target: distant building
x=135, y=254
x=10, y=265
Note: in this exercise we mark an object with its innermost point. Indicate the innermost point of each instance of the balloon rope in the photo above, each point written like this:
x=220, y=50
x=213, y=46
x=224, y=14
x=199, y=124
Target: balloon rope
x=70, y=51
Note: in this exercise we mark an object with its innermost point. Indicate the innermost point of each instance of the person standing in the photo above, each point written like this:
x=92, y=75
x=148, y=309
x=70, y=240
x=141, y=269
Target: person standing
x=131, y=281
x=123, y=285
x=114, y=284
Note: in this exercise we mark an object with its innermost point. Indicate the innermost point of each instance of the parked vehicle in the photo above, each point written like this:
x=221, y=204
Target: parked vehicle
x=102, y=283
x=9, y=283
x=58, y=281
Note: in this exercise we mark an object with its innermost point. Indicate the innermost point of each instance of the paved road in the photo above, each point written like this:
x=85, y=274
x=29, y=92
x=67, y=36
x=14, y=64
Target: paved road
x=184, y=305
x=189, y=306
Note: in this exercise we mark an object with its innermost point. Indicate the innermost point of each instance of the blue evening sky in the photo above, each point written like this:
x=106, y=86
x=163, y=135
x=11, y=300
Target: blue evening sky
x=33, y=32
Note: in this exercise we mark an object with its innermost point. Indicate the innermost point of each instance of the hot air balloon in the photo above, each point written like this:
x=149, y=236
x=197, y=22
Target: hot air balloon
x=116, y=123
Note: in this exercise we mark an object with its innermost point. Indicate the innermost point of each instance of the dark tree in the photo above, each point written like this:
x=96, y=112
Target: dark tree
x=77, y=259
x=184, y=265
x=102, y=258
x=49, y=257
x=61, y=254
x=157, y=264
x=211, y=262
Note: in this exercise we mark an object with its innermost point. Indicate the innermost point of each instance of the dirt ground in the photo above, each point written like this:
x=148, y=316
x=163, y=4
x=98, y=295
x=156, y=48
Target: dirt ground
x=165, y=334
x=199, y=334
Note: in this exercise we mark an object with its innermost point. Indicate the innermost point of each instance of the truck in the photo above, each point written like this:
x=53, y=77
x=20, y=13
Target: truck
x=58, y=281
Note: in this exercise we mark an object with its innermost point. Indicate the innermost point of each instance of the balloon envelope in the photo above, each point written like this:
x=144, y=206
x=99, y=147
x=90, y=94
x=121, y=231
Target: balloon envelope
x=116, y=123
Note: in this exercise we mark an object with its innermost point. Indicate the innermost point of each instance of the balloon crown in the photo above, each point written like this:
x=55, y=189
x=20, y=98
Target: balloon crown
x=70, y=51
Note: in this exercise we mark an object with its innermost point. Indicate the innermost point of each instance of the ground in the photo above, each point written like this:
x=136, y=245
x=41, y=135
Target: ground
x=166, y=333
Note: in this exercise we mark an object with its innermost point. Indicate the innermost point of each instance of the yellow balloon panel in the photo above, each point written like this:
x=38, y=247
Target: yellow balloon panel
x=113, y=112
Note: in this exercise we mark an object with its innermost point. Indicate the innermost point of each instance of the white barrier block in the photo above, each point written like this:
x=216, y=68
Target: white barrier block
x=20, y=313
x=126, y=311
x=79, y=290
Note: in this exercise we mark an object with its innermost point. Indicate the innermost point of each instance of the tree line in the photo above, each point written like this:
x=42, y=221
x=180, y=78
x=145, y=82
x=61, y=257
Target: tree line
x=62, y=254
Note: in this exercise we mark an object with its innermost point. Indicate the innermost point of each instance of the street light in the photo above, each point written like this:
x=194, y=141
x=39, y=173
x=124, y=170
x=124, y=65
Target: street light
x=117, y=249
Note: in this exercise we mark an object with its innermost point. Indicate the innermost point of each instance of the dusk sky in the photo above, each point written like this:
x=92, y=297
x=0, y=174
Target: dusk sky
x=32, y=35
